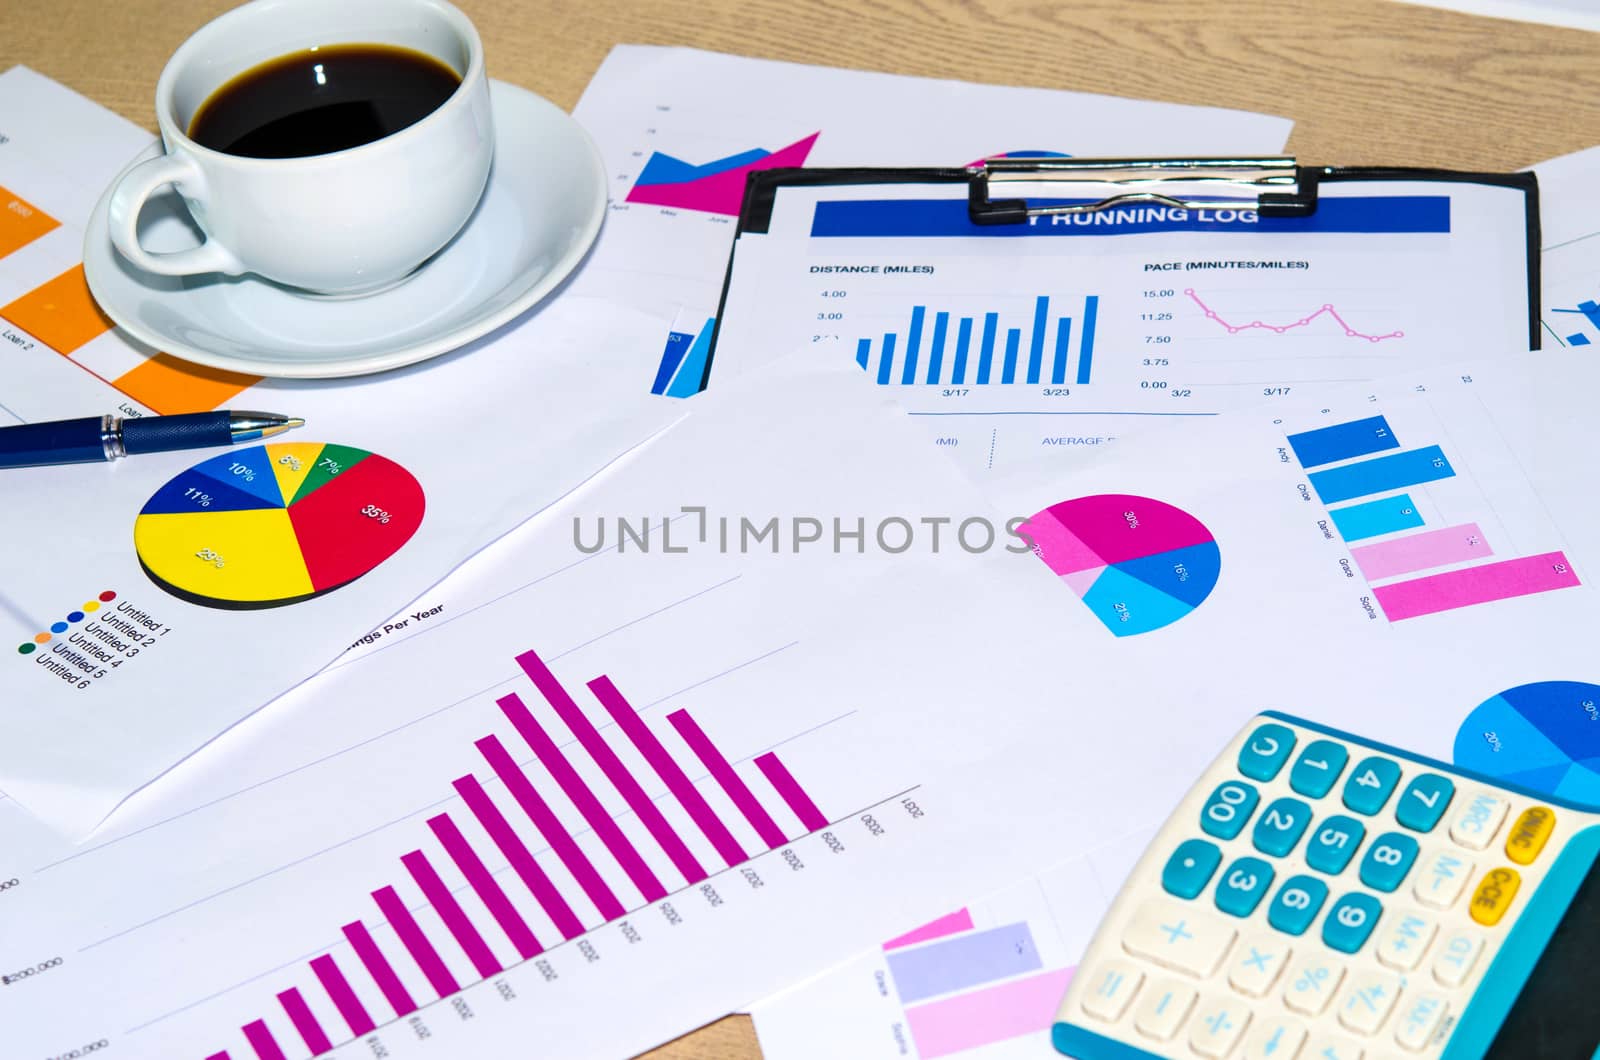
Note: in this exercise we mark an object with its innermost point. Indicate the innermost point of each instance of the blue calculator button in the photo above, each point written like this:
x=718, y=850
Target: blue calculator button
x=1388, y=859
x=1371, y=783
x=1190, y=867
x=1424, y=801
x=1243, y=886
x=1350, y=921
x=1333, y=843
x=1296, y=904
x=1265, y=751
x=1318, y=768
x=1281, y=826
x=1229, y=807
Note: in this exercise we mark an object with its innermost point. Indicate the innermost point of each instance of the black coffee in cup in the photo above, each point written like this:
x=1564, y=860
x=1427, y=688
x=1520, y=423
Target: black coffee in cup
x=322, y=100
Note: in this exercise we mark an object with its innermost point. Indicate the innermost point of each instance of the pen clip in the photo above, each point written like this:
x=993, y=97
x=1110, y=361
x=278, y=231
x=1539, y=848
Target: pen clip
x=1273, y=187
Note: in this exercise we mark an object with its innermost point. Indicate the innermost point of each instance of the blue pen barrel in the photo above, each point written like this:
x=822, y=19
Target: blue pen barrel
x=193, y=430
x=58, y=442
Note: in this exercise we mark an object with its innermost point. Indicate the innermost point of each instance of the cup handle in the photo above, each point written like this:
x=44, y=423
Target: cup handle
x=128, y=200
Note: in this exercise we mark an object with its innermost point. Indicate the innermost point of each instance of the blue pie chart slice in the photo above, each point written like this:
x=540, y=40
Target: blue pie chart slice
x=1543, y=736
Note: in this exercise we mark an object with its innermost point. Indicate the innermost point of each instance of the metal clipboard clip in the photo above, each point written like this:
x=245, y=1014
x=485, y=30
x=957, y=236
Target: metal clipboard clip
x=1273, y=187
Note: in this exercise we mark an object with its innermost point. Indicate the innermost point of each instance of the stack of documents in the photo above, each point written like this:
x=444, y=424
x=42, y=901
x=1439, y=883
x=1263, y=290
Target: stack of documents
x=729, y=660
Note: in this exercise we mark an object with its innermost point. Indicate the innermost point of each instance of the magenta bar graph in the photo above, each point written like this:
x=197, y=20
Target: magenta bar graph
x=382, y=972
x=729, y=781
x=262, y=1041
x=299, y=1013
x=778, y=775
x=482, y=881
x=568, y=711
x=415, y=942
x=475, y=941
x=1475, y=585
x=573, y=787
x=677, y=782
x=343, y=997
x=517, y=854
x=455, y=919
x=1414, y=552
x=549, y=826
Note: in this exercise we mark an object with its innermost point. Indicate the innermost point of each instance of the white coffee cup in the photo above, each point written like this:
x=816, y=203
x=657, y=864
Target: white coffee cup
x=343, y=223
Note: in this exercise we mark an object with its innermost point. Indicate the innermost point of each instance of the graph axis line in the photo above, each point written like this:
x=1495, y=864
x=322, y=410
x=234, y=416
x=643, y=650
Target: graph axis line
x=832, y=823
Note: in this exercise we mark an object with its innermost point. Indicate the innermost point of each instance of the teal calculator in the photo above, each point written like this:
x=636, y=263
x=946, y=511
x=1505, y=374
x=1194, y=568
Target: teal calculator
x=1318, y=896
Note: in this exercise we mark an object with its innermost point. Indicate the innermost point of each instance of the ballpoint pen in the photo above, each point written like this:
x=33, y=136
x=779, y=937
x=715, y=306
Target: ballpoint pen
x=96, y=438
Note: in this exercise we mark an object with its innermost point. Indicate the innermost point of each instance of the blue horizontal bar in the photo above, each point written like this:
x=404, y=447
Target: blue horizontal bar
x=1343, y=441
x=1383, y=516
x=1381, y=474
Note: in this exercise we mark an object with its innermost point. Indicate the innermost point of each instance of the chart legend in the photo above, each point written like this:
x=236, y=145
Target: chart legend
x=1137, y=563
x=276, y=524
x=710, y=187
x=1544, y=736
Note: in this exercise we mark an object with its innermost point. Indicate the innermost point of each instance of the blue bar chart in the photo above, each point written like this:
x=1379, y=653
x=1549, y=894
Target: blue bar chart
x=1588, y=310
x=1397, y=539
x=936, y=347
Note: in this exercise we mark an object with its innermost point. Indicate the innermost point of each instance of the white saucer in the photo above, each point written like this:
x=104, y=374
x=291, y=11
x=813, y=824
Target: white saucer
x=538, y=217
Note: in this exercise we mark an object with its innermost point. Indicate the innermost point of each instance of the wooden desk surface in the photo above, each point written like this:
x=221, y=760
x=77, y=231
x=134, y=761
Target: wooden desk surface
x=1367, y=81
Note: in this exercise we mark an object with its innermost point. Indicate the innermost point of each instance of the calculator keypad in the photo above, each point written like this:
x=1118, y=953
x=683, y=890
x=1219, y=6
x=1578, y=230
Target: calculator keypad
x=1325, y=903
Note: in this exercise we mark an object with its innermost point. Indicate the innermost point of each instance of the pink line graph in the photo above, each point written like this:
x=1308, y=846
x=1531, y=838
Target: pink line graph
x=1279, y=329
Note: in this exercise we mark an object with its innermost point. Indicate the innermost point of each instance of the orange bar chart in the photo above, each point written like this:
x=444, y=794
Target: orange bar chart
x=62, y=314
x=21, y=222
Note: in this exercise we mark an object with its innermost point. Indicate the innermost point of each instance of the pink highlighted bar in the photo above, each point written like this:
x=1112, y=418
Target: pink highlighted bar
x=394, y=991
x=300, y=1015
x=478, y=875
x=533, y=877
x=220, y=1056
x=262, y=1041
x=1057, y=546
x=671, y=774
x=983, y=1017
x=344, y=998
x=455, y=918
x=1434, y=548
x=572, y=785
x=550, y=827
x=793, y=794
x=416, y=943
x=724, y=775
x=949, y=924
x=589, y=737
x=1476, y=585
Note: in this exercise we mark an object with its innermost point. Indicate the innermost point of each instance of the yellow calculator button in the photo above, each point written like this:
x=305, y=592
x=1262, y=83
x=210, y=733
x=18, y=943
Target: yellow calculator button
x=1494, y=894
x=1530, y=833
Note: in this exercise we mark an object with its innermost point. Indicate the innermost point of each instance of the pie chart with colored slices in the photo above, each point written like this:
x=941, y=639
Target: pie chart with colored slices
x=1544, y=736
x=276, y=524
x=1137, y=563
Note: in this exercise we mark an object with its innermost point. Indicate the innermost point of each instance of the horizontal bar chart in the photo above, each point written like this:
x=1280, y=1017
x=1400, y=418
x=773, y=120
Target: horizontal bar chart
x=963, y=961
x=1034, y=352
x=1343, y=441
x=1387, y=515
x=984, y=1017
x=1414, y=552
x=21, y=222
x=508, y=913
x=1475, y=585
x=1381, y=474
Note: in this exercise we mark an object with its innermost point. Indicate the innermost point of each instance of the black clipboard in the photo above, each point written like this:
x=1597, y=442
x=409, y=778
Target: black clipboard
x=1276, y=187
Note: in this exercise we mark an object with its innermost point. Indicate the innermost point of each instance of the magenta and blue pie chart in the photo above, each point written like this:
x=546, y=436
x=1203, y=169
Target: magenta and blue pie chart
x=1543, y=736
x=1137, y=563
